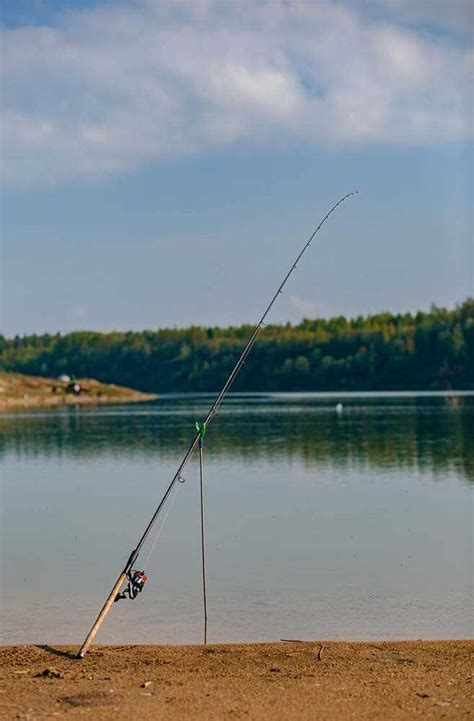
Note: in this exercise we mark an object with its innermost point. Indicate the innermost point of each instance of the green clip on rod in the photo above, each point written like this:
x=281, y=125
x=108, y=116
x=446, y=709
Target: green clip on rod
x=195, y=442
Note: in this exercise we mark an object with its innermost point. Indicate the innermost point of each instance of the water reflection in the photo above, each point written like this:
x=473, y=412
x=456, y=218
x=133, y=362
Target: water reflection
x=426, y=433
x=320, y=524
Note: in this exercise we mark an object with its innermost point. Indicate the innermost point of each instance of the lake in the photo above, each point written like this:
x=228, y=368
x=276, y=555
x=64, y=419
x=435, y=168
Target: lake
x=320, y=524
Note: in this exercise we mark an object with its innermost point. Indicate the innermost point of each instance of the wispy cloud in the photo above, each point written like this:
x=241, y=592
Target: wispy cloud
x=309, y=309
x=111, y=88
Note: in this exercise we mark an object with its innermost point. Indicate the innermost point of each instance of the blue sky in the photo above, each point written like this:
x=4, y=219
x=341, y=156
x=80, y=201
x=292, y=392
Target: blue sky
x=163, y=161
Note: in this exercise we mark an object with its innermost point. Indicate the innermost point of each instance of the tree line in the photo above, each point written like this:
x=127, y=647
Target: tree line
x=385, y=351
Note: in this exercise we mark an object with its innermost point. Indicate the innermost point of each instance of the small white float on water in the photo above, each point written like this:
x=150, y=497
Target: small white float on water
x=339, y=408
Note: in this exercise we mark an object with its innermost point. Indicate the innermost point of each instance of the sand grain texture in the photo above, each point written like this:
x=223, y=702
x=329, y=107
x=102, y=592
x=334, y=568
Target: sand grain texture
x=383, y=680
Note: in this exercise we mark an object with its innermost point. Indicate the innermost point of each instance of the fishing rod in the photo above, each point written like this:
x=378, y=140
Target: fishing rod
x=138, y=578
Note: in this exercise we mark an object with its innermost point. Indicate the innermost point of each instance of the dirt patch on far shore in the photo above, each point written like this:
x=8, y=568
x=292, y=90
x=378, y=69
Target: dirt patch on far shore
x=24, y=392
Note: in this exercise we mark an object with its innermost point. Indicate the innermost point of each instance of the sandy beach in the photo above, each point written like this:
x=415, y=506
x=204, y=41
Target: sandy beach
x=297, y=680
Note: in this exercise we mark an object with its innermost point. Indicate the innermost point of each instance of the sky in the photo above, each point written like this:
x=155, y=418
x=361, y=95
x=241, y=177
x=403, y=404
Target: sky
x=163, y=162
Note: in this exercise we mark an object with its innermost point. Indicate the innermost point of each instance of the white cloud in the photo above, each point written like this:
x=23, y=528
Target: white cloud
x=309, y=309
x=110, y=88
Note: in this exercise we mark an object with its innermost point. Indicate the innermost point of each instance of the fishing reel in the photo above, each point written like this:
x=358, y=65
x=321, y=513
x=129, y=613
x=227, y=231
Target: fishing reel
x=136, y=584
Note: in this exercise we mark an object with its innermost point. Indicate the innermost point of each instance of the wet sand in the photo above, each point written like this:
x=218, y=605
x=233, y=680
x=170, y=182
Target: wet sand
x=272, y=681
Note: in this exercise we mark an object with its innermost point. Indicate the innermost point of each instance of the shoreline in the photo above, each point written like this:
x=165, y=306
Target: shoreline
x=73, y=402
x=324, y=680
x=23, y=392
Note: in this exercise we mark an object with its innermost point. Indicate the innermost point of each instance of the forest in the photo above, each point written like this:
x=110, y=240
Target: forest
x=386, y=351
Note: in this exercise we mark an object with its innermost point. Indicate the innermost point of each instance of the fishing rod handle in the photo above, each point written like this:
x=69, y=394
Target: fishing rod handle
x=102, y=615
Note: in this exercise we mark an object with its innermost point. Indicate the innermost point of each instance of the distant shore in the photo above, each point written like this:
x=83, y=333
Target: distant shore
x=19, y=391
x=297, y=681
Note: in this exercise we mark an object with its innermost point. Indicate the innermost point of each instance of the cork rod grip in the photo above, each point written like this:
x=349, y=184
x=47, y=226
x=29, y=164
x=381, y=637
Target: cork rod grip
x=102, y=615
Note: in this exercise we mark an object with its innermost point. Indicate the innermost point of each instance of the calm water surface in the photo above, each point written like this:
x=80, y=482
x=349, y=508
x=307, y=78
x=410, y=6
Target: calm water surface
x=319, y=524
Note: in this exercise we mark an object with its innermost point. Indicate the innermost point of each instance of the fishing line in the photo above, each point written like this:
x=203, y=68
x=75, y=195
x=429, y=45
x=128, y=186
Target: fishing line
x=162, y=524
x=233, y=375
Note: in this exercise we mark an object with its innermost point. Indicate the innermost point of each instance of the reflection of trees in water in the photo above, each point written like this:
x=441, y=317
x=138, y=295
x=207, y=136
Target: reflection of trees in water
x=436, y=436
